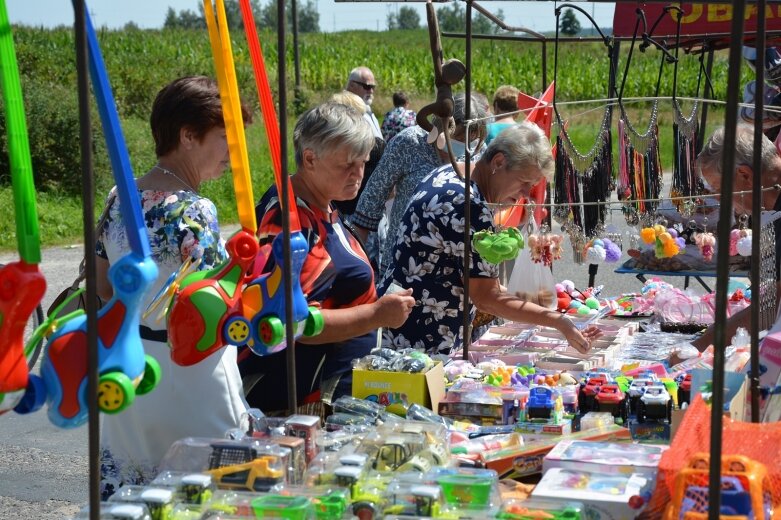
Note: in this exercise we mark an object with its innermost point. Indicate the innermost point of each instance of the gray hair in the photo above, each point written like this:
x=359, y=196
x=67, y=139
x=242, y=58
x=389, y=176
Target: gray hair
x=710, y=156
x=330, y=125
x=357, y=74
x=524, y=145
x=477, y=130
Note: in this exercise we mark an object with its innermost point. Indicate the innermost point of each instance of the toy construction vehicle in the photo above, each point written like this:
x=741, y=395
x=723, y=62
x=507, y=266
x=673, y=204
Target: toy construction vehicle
x=235, y=466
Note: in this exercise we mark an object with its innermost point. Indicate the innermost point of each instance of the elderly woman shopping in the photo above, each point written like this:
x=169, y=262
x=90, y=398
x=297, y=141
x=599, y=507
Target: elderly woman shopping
x=206, y=399
x=332, y=144
x=428, y=256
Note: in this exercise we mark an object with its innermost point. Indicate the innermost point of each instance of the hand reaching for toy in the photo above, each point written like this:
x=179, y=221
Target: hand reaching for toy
x=393, y=308
x=581, y=340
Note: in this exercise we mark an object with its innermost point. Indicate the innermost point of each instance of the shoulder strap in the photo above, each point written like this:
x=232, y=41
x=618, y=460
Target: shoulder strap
x=101, y=222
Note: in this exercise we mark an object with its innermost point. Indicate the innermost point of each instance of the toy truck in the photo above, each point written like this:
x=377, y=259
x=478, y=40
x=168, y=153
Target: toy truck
x=655, y=403
x=235, y=466
x=543, y=403
x=589, y=391
x=611, y=399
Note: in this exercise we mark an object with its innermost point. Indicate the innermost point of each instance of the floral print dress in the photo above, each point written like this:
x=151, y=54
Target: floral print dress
x=429, y=259
x=202, y=400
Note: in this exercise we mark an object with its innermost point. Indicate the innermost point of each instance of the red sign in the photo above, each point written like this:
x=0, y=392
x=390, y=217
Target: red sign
x=697, y=19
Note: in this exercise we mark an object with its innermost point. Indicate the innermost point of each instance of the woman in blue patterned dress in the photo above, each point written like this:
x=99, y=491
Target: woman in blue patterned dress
x=429, y=253
x=205, y=399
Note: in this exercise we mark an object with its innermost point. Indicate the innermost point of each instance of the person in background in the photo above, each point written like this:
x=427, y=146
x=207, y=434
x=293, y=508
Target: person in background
x=347, y=207
x=408, y=158
x=505, y=109
x=332, y=142
x=361, y=83
x=709, y=162
x=429, y=252
x=399, y=118
x=206, y=399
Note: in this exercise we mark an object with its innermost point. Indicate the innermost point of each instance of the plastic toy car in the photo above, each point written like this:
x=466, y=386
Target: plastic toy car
x=611, y=399
x=543, y=403
x=406, y=453
x=158, y=501
x=235, y=466
x=123, y=368
x=636, y=388
x=366, y=494
x=420, y=500
x=655, y=403
x=589, y=391
x=684, y=389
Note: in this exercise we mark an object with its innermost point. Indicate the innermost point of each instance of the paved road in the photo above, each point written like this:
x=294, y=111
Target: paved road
x=43, y=469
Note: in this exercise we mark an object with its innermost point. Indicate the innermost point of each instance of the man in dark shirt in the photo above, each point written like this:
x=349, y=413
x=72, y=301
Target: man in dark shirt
x=709, y=162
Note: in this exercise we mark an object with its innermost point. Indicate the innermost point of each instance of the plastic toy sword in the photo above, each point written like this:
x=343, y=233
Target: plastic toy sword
x=22, y=285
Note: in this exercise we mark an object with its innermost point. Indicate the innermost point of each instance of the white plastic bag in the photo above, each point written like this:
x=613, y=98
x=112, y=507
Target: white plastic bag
x=532, y=281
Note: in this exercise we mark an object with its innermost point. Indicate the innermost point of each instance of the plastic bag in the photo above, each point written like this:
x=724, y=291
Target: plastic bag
x=532, y=282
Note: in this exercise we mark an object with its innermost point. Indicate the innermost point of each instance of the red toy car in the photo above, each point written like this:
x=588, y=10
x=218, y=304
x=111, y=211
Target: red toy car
x=611, y=399
x=684, y=389
x=590, y=390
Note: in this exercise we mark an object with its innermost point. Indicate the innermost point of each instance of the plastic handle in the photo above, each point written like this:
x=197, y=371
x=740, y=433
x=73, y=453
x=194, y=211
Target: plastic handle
x=27, y=231
x=117, y=150
x=219, y=37
x=267, y=108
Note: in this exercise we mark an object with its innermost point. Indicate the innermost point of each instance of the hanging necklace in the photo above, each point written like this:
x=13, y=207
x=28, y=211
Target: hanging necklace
x=172, y=174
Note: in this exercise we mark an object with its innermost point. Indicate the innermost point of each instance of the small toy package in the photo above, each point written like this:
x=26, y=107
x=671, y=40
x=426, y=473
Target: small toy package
x=117, y=511
x=190, y=488
x=605, y=457
x=539, y=508
x=604, y=496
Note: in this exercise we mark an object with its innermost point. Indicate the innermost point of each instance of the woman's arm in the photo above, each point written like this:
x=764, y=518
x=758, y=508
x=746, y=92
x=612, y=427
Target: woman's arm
x=105, y=290
x=488, y=297
x=371, y=204
x=342, y=324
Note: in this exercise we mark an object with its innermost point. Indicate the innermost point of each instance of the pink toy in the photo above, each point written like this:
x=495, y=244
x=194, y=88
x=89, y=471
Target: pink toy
x=706, y=242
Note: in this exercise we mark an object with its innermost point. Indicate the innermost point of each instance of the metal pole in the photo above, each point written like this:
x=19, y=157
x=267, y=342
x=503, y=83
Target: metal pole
x=544, y=66
x=467, y=187
x=722, y=262
x=88, y=198
x=707, y=93
x=296, y=56
x=756, y=214
x=290, y=352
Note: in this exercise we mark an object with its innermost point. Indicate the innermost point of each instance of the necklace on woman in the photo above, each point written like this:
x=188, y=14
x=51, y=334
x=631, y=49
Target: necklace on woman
x=172, y=174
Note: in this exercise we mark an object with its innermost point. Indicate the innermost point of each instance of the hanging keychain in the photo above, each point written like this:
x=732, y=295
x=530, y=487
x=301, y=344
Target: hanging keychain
x=740, y=239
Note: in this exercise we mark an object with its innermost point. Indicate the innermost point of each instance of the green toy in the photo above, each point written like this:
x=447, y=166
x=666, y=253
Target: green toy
x=498, y=247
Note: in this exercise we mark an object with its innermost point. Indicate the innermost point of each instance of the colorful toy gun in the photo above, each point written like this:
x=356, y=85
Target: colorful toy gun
x=21, y=283
x=124, y=370
x=212, y=309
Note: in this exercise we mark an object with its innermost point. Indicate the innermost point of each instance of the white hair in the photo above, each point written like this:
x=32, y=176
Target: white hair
x=524, y=145
x=710, y=157
x=330, y=125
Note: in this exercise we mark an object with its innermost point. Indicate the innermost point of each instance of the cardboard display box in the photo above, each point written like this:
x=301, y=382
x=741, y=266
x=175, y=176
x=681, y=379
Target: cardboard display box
x=392, y=389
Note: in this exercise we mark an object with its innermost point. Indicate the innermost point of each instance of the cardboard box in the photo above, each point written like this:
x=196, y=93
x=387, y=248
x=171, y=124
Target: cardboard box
x=650, y=432
x=563, y=427
x=605, y=457
x=604, y=496
x=392, y=389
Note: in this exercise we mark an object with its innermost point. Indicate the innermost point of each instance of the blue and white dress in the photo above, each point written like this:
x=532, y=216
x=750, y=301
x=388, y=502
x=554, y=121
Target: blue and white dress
x=429, y=258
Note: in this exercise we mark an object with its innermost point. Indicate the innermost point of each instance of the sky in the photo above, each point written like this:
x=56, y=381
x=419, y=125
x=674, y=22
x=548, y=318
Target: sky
x=334, y=16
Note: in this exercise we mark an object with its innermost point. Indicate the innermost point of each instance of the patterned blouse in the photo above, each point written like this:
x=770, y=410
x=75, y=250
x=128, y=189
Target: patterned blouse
x=397, y=120
x=408, y=158
x=429, y=258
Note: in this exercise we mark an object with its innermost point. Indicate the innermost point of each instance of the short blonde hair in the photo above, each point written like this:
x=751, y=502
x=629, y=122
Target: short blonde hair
x=346, y=97
x=506, y=99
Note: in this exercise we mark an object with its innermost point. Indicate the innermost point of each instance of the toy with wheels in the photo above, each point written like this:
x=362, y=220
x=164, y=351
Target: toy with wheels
x=124, y=370
x=261, y=326
x=21, y=283
x=205, y=301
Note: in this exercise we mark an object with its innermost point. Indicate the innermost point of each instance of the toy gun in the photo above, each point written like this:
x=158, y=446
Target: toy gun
x=213, y=309
x=22, y=285
x=124, y=370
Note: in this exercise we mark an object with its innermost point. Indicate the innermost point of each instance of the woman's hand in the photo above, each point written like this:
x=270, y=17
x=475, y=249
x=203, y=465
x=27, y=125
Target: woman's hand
x=393, y=309
x=580, y=340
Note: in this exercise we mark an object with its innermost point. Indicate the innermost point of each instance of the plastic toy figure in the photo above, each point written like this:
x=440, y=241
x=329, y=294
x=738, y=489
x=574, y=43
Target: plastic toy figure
x=655, y=403
x=235, y=466
x=22, y=285
x=611, y=399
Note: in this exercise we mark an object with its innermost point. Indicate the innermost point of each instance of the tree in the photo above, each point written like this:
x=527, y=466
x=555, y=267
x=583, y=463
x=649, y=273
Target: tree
x=187, y=19
x=569, y=23
x=308, y=17
x=452, y=18
x=406, y=18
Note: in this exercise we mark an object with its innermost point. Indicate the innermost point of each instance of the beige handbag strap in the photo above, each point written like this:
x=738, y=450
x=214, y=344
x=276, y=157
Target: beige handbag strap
x=101, y=222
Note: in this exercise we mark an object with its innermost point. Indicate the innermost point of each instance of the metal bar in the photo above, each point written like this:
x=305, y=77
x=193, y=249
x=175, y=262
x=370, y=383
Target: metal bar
x=466, y=320
x=296, y=56
x=290, y=339
x=707, y=93
x=544, y=66
x=722, y=262
x=498, y=21
x=756, y=214
x=88, y=198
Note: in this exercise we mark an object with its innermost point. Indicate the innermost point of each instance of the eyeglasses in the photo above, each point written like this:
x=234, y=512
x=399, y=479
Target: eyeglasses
x=366, y=86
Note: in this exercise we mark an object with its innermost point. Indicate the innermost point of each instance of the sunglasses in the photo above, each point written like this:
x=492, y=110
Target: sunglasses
x=366, y=86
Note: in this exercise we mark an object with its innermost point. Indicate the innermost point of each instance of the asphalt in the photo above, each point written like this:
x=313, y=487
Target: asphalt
x=43, y=469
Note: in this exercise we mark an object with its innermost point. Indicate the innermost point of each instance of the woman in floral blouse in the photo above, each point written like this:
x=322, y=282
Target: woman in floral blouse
x=202, y=400
x=429, y=253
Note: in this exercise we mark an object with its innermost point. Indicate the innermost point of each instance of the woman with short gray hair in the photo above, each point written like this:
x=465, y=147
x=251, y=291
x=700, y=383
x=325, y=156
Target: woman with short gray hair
x=429, y=252
x=332, y=143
